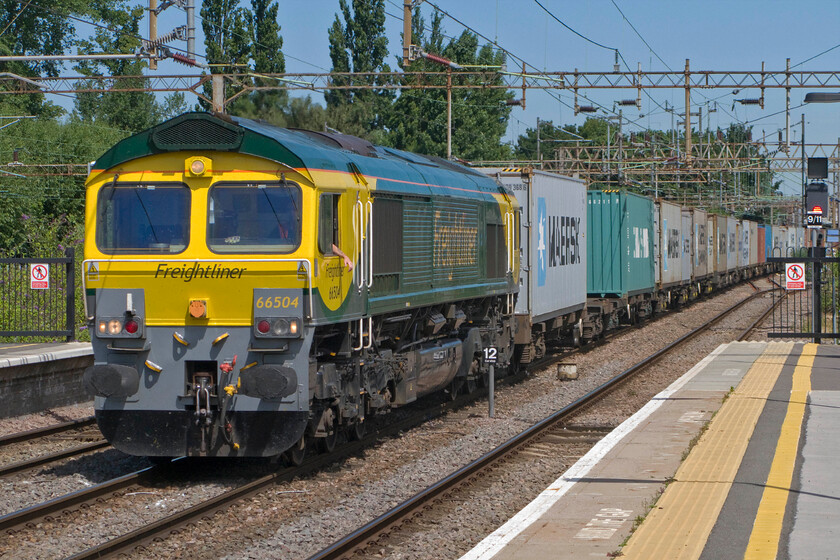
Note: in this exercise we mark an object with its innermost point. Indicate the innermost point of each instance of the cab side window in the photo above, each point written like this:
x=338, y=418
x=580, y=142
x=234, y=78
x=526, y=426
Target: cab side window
x=328, y=223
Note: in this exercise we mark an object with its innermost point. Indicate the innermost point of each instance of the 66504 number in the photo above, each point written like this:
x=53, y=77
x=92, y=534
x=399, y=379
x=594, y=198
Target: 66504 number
x=277, y=302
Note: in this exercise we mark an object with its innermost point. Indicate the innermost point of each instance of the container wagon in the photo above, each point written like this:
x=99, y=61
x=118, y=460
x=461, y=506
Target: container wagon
x=620, y=265
x=668, y=251
x=552, y=279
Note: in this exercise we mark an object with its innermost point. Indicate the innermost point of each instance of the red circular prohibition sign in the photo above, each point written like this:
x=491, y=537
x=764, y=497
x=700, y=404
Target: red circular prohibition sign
x=39, y=272
x=795, y=272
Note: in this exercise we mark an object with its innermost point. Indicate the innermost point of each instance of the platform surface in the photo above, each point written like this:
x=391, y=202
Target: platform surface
x=35, y=353
x=736, y=459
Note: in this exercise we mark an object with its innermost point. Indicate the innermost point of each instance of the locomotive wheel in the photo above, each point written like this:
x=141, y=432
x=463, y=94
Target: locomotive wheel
x=474, y=376
x=295, y=454
x=455, y=387
x=356, y=430
x=327, y=444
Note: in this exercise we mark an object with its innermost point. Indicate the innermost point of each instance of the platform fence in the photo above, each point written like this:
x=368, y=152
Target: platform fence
x=812, y=311
x=37, y=297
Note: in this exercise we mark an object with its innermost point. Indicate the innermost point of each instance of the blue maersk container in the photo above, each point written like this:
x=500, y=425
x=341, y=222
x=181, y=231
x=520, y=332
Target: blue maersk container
x=619, y=245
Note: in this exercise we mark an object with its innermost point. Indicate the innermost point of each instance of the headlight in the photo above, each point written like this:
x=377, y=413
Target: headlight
x=129, y=326
x=279, y=327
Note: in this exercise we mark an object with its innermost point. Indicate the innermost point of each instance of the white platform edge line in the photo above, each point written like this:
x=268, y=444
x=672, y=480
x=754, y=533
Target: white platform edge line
x=493, y=543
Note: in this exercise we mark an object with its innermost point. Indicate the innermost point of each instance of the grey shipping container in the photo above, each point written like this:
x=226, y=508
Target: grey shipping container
x=701, y=245
x=743, y=243
x=722, y=244
x=780, y=236
x=552, y=278
x=732, y=248
x=753, y=243
x=668, y=244
x=619, y=244
x=685, y=233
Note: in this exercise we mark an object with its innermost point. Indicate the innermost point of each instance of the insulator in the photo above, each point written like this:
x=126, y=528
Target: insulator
x=184, y=59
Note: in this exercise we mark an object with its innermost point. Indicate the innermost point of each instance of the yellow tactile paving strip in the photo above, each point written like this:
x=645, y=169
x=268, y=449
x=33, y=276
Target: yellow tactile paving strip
x=764, y=539
x=679, y=525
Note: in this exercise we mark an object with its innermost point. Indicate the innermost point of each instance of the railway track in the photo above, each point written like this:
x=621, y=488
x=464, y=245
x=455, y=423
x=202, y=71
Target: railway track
x=37, y=433
x=53, y=509
x=357, y=543
x=31, y=436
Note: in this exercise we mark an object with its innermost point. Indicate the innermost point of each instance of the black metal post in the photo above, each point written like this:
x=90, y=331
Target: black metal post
x=70, y=253
x=817, y=252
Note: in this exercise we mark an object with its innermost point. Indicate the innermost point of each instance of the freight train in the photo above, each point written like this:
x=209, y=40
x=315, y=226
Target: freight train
x=253, y=290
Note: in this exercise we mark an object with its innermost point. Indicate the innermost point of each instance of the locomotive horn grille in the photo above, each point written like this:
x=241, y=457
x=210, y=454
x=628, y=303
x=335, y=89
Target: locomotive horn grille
x=197, y=134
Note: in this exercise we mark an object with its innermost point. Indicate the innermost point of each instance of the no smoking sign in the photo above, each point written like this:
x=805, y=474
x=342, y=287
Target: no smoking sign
x=794, y=276
x=39, y=276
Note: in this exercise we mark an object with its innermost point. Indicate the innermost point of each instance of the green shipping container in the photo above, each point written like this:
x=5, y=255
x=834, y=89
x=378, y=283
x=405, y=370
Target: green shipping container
x=619, y=245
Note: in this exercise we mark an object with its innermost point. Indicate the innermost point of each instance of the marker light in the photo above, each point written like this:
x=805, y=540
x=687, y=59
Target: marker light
x=263, y=326
x=115, y=326
x=102, y=326
x=131, y=326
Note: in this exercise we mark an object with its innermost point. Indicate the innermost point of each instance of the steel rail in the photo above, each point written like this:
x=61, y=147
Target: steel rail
x=743, y=336
x=12, y=522
x=156, y=530
x=52, y=457
x=359, y=538
x=45, y=431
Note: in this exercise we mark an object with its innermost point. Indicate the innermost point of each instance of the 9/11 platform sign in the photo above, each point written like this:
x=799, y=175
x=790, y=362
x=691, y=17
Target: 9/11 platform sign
x=39, y=276
x=794, y=276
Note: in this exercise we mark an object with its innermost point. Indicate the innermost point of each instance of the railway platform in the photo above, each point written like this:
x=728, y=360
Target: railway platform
x=35, y=377
x=736, y=459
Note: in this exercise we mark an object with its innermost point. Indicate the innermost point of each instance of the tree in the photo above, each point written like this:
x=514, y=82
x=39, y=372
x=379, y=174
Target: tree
x=359, y=44
x=267, y=44
x=32, y=30
x=479, y=115
x=135, y=110
x=228, y=31
x=526, y=145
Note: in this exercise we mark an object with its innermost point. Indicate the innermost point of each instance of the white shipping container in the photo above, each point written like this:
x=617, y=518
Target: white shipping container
x=753, y=243
x=552, y=278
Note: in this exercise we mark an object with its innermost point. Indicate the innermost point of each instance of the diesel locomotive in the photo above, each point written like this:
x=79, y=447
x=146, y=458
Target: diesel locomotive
x=254, y=290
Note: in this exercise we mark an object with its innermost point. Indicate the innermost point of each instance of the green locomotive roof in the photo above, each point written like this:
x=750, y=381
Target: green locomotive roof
x=396, y=171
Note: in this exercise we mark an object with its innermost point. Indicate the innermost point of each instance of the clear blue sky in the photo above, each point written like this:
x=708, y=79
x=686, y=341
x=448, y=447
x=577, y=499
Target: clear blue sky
x=713, y=34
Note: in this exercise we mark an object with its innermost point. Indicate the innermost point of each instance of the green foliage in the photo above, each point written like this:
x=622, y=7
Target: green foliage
x=228, y=30
x=359, y=44
x=268, y=59
x=30, y=29
x=44, y=194
x=134, y=110
x=526, y=146
x=417, y=121
x=44, y=239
